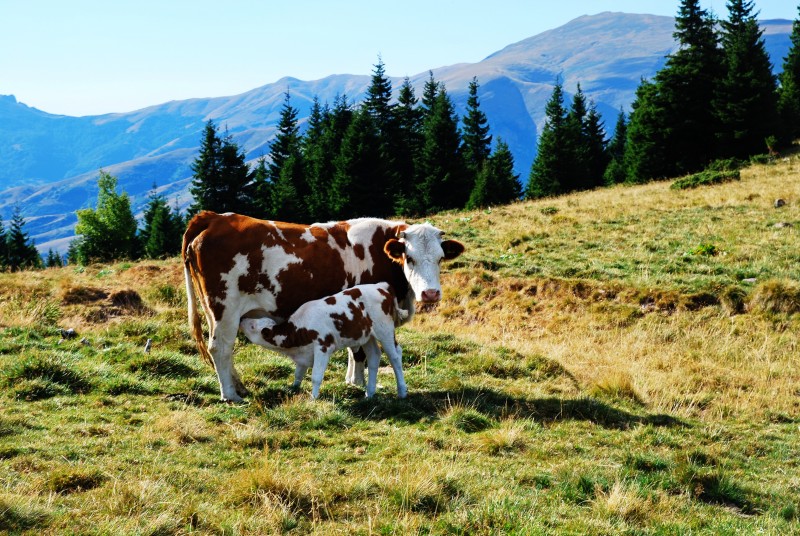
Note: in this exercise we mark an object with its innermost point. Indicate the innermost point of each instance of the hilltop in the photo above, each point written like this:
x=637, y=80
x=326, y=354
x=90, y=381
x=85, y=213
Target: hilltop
x=615, y=361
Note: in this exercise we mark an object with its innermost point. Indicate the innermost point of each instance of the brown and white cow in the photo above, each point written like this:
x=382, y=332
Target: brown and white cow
x=359, y=317
x=238, y=267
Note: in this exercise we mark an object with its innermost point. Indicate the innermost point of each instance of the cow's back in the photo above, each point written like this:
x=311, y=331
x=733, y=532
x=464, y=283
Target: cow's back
x=237, y=260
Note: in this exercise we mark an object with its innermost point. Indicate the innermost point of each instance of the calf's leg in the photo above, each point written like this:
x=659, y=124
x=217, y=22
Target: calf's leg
x=373, y=362
x=321, y=359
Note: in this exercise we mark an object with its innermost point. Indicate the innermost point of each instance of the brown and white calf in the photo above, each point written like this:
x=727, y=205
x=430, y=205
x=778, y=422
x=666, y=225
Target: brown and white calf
x=362, y=316
x=239, y=267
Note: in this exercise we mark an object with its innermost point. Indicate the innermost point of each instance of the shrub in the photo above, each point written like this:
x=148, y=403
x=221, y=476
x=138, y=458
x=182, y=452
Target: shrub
x=705, y=178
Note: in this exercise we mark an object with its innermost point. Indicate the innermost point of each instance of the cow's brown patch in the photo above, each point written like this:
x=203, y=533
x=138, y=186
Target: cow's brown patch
x=355, y=327
x=294, y=337
x=387, y=305
x=326, y=343
x=330, y=300
x=354, y=293
x=359, y=251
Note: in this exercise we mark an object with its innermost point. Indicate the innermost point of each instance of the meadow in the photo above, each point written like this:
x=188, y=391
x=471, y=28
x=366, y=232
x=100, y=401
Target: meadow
x=621, y=361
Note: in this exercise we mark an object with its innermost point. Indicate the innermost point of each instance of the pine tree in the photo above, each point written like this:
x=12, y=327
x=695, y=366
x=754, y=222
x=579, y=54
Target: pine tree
x=645, y=158
x=21, y=252
x=686, y=87
x=615, y=171
x=408, y=146
x=109, y=231
x=237, y=189
x=53, y=259
x=262, y=189
x=596, y=154
x=575, y=168
x=206, y=171
x=429, y=93
x=285, y=152
x=384, y=175
x=321, y=155
x=221, y=179
x=496, y=183
x=163, y=228
x=746, y=102
x=789, y=94
x=477, y=142
x=552, y=156
x=445, y=181
x=354, y=192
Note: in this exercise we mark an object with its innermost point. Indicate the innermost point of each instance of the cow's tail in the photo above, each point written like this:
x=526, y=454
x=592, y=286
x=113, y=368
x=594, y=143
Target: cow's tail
x=190, y=275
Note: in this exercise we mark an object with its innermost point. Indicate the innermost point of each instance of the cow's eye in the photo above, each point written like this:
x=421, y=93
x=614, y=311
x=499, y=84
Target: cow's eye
x=410, y=261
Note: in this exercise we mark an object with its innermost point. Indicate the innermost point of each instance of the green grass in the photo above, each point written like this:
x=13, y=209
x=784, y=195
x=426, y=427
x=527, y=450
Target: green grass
x=589, y=371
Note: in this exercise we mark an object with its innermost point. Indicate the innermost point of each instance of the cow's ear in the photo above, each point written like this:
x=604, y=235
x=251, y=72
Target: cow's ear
x=452, y=249
x=394, y=249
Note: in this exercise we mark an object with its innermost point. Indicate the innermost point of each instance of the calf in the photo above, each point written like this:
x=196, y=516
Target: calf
x=359, y=316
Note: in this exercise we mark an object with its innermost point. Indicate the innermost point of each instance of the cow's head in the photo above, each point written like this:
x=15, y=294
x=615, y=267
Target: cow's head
x=420, y=249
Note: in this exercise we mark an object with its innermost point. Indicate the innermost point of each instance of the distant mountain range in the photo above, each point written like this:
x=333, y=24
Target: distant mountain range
x=49, y=163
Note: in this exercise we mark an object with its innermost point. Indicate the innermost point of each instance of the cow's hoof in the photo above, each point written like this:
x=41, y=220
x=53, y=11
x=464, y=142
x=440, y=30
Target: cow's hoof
x=402, y=394
x=233, y=399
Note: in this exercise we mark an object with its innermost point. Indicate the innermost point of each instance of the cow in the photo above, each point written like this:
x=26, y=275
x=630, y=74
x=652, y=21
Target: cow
x=238, y=267
x=359, y=317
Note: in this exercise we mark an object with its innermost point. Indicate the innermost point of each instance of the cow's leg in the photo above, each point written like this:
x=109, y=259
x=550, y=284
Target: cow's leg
x=299, y=374
x=355, y=367
x=221, y=348
x=373, y=362
x=321, y=358
x=395, y=354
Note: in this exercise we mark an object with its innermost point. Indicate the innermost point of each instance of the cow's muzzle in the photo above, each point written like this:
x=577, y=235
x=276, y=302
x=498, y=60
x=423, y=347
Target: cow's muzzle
x=431, y=295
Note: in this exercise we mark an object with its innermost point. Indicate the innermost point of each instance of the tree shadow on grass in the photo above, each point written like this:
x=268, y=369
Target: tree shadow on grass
x=428, y=406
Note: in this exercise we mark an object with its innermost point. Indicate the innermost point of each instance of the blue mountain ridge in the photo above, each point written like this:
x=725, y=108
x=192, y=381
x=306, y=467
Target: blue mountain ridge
x=49, y=163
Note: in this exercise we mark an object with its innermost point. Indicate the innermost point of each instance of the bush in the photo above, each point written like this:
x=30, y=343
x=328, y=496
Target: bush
x=705, y=178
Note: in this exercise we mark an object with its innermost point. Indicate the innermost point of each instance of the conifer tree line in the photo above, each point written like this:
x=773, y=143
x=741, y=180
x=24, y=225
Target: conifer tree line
x=379, y=158
x=716, y=98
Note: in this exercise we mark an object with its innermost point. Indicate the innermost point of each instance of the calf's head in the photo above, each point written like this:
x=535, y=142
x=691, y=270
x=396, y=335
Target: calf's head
x=251, y=327
x=420, y=250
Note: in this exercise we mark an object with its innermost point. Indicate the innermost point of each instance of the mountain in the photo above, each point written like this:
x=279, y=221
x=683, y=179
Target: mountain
x=49, y=163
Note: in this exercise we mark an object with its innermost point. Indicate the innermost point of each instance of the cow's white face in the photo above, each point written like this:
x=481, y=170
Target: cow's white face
x=420, y=249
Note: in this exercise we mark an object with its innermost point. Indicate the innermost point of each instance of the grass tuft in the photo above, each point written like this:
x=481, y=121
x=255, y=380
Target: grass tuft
x=18, y=519
x=467, y=419
x=40, y=377
x=74, y=479
x=163, y=365
x=616, y=385
x=776, y=296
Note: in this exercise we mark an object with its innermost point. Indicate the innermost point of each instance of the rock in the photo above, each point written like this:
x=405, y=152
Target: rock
x=782, y=225
x=749, y=280
x=779, y=203
x=68, y=333
x=147, y=346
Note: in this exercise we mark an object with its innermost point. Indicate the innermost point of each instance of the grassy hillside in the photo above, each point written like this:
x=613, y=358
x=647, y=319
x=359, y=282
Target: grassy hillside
x=614, y=362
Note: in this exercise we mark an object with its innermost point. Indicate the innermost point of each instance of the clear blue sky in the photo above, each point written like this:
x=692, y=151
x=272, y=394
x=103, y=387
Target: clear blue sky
x=86, y=57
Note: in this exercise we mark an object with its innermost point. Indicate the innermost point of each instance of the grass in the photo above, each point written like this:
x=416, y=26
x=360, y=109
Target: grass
x=622, y=361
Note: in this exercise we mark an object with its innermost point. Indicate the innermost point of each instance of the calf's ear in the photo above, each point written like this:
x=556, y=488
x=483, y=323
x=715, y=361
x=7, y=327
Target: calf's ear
x=452, y=249
x=394, y=249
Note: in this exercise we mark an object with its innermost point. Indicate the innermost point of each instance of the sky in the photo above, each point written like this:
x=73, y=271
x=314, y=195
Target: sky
x=90, y=57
